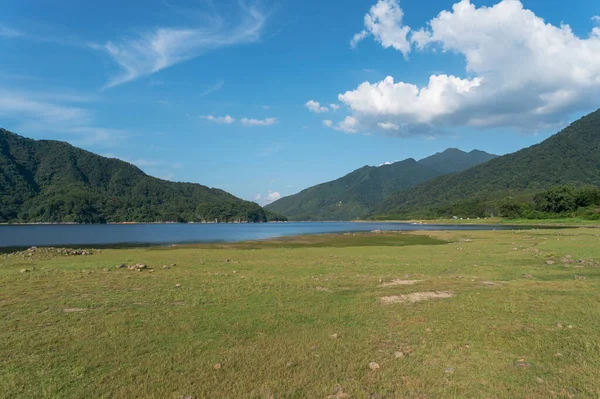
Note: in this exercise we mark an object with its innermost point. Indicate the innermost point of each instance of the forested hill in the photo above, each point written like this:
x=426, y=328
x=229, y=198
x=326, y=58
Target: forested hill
x=454, y=160
x=358, y=193
x=572, y=156
x=51, y=181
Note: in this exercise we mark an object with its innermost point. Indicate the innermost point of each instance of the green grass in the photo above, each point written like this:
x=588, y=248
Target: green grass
x=266, y=311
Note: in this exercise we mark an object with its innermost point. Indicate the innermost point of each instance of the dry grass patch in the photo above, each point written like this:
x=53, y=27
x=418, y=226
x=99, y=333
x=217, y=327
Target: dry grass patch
x=415, y=297
x=397, y=282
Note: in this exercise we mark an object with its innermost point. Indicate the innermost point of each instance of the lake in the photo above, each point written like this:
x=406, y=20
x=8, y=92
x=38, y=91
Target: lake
x=21, y=236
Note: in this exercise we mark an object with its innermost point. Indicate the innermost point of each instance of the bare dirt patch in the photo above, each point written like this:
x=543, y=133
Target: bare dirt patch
x=415, y=297
x=397, y=282
x=73, y=310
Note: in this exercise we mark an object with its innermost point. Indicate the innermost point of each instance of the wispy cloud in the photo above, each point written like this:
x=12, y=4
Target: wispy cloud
x=57, y=112
x=227, y=119
x=9, y=32
x=259, y=122
x=156, y=50
x=217, y=86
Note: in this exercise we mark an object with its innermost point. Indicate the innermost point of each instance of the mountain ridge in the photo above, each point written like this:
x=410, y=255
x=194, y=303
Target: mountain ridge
x=53, y=181
x=357, y=193
x=571, y=156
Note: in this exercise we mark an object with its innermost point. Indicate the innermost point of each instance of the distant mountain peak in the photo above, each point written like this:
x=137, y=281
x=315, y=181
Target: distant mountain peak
x=454, y=160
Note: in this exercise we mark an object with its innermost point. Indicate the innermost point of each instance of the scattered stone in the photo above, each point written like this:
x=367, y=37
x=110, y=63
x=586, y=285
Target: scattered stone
x=177, y=285
x=515, y=249
x=121, y=266
x=550, y=262
x=227, y=260
x=105, y=269
x=558, y=355
x=173, y=264
x=335, y=336
x=522, y=363
x=338, y=393
x=559, y=325
x=234, y=272
x=24, y=270
x=567, y=259
x=580, y=278
x=218, y=366
x=539, y=380
x=428, y=330
x=166, y=267
x=415, y=297
x=397, y=282
x=188, y=397
x=374, y=366
x=138, y=267
x=322, y=289
x=569, y=326
x=449, y=370
x=527, y=276
x=399, y=354
x=290, y=364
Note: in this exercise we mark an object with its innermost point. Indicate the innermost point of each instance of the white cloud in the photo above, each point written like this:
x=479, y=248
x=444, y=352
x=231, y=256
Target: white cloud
x=62, y=113
x=334, y=107
x=273, y=196
x=164, y=47
x=259, y=122
x=316, y=107
x=384, y=164
x=520, y=72
x=350, y=124
x=263, y=200
x=358, y=37
x=388, y=126
x=227, y=119
x=384, y=23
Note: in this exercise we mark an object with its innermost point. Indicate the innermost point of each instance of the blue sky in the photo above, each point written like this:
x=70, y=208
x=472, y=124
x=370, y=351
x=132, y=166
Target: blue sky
x=267, y=98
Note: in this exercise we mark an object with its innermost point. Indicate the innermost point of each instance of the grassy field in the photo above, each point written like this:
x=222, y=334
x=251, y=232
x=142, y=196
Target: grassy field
x=517, y=315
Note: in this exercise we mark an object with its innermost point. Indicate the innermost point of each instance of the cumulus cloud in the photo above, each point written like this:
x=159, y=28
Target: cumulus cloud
x=316, y=107
x=164, y=47
x=273, y=196
x=227, y=119
x=259, y=122
x=334, y=107
x=384, y=23
x=388, y=126
x=350, y=124
x=521, y=72
x=263, y=200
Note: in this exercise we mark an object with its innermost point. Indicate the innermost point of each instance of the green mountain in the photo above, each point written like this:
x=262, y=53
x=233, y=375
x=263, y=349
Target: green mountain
x=454, y=160
x=571, y=156
x=358, y=193
x=51, y=181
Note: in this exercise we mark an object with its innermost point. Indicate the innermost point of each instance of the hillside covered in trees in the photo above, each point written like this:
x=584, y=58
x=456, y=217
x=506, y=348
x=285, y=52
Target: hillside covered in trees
x=565, y=162
x=51, y=181
x=358, y=193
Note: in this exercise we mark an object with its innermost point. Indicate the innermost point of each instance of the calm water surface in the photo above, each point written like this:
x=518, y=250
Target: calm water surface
x=131, y=234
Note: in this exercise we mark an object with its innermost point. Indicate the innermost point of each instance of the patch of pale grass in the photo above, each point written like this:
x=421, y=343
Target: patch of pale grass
x=397, y=282
x=415, y=297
